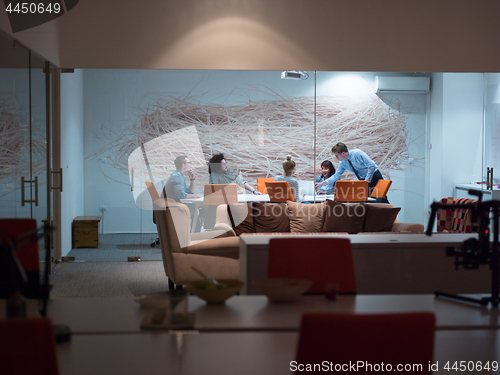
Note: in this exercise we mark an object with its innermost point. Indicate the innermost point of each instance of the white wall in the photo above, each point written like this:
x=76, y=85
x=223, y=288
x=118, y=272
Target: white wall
x=72, y=196
x=456, y=132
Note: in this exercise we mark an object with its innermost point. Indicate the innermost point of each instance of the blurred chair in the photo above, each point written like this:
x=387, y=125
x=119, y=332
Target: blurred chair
x=320, y=260
x=457, y=220
x=380, y=190
x=26, y=245
x=351, y=191
x=213, y=252
x=27, y=346
x=279, y=191
x=261, y=184
x=392, y=339
x=215, y=195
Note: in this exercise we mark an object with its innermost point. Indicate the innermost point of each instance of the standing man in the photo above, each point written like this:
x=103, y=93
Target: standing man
x=176, y=187
x=357, y=162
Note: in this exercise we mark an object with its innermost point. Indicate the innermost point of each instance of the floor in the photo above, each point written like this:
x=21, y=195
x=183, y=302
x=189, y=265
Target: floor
x=106, y=272
x=118, y=248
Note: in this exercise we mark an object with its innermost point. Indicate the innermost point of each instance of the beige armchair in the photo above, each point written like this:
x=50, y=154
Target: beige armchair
x=214, y=252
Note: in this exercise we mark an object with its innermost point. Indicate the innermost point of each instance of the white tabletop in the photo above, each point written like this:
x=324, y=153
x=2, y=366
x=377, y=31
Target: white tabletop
x=257, y=313
x=242, y=198
x=250, y=313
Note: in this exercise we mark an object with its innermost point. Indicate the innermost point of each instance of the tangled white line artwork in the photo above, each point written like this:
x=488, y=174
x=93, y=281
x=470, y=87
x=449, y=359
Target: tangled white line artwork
x=256, y=136
x=18, y=156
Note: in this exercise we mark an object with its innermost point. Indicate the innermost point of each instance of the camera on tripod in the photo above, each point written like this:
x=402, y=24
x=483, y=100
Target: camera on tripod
x=474, y=252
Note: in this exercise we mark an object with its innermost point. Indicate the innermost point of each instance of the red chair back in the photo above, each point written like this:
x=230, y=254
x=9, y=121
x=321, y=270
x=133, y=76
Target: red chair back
x=391, y=339
x=27, y=346
x=320, y=260
x=26, y=251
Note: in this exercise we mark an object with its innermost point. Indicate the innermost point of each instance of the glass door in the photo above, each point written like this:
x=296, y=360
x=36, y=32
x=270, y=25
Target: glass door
x=23, y=135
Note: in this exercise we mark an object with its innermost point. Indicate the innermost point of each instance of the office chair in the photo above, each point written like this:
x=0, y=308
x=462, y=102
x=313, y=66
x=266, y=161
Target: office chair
x=215, y=195
x=391, y=339
x=320, y=260
x=279, y=191
x=261, y=184
x=380, y=190
x=27, y=346
x=351, y=191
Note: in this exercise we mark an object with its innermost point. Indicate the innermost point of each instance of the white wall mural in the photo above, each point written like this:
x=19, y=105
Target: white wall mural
x=256, y=136
x=17, y=157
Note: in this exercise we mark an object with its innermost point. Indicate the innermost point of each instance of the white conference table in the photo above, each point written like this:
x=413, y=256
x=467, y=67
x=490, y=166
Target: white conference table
x=244, y=198
x=257, y=313
x=242, y=353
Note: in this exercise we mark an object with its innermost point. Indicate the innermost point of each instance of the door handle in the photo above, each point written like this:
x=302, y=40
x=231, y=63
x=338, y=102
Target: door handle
x=23, y=182
x=60, y=187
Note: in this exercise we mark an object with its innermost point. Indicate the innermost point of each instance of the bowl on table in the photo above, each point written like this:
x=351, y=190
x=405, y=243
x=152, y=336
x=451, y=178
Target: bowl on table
x=212, y=293
x=283, y=290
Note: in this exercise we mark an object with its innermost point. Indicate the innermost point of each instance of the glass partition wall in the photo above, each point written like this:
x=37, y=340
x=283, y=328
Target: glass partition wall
x=255, y=118
x=129, y=125
x=24, y=131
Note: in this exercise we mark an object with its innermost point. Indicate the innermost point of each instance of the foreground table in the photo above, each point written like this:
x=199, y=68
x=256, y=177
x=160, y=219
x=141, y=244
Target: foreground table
x=384, y=263
x=239, y=353
x=257, y=313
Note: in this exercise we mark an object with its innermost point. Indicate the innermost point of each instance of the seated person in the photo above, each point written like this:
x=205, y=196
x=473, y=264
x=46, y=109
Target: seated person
x=176, y=187
x=289, y=170
x=327, y=170
x=220, y=174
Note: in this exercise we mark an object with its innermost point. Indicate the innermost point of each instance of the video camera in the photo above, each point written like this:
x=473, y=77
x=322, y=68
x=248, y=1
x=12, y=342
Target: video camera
x=474, y=252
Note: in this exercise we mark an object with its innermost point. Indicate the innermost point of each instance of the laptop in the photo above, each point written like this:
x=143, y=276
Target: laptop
x=306, y=187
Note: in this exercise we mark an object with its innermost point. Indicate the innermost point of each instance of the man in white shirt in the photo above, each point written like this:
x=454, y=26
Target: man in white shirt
x=357, y=162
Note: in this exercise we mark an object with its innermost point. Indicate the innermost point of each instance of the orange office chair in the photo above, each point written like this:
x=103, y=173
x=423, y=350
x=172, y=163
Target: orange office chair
x=279, y=191
x=320, y=260
x=27, y=346
x=351, y=191
x=261, y=184
x=392, y=339
x=381, y=188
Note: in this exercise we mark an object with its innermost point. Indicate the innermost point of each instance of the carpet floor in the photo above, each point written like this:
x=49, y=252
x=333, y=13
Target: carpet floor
x=107, y=279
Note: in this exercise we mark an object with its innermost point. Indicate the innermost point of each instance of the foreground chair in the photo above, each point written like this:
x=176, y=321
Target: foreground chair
x=25, y=230
x=372, y=339
x=320, y=260
x=213, y=252
x=27, y=346
x=351, y=191
x=279, y=191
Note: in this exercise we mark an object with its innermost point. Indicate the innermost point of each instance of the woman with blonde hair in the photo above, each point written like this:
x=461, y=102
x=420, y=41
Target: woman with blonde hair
x=289, y=170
